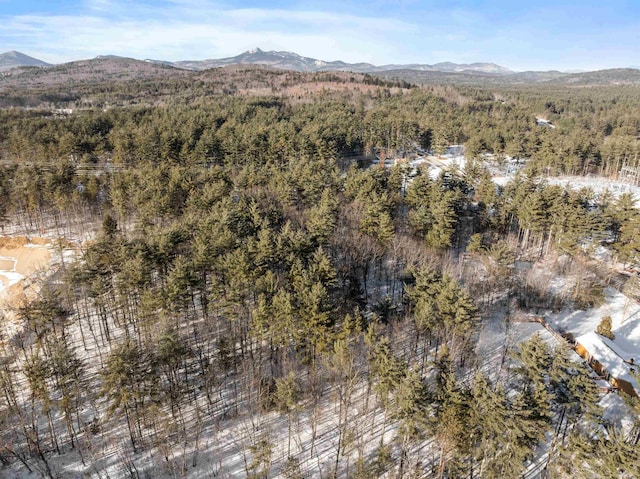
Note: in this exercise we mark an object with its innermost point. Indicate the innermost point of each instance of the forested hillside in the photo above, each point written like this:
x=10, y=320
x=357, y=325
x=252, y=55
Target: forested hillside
x=250, y=297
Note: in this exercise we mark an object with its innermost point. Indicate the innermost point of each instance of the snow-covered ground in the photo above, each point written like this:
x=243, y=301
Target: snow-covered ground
x=452, y=159
x=625, y=321
x=498, y=336
x=504, y=170
x=597, y=184
x=616, y=412
x=502, y=330
x=617, y=354
x=12, y=278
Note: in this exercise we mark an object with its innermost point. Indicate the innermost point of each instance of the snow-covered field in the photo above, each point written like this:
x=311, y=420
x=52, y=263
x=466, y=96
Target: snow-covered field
x=598, y=185
x=625, y=319
x=452, y=159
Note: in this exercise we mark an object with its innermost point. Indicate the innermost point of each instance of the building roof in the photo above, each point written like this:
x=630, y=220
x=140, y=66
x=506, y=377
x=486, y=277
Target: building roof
x=612, y=359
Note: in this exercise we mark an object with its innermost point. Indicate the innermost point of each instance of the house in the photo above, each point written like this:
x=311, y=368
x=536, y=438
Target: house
x=609, y=362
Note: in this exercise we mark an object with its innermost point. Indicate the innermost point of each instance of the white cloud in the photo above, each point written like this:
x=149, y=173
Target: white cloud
x=318, y=19
x=196, y=29
x=100, y=5
x=334, y=30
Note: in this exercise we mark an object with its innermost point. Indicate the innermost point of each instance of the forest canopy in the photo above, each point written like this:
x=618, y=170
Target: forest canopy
x=246, y=272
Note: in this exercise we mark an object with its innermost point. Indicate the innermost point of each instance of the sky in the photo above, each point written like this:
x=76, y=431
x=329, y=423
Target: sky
x=533, y=35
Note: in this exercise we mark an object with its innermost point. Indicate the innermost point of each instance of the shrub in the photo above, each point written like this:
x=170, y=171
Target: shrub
x=604, y=328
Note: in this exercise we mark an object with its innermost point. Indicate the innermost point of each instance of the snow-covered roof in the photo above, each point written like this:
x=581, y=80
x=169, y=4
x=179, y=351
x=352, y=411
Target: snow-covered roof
x=612, y=359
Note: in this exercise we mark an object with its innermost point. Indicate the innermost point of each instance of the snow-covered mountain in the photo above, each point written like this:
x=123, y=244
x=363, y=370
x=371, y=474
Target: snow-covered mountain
x=471, y=67
x=284, y=60
x=293, y=61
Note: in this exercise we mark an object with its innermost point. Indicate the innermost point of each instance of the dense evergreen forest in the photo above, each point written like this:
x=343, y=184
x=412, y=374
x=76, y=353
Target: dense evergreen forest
x=252, y=298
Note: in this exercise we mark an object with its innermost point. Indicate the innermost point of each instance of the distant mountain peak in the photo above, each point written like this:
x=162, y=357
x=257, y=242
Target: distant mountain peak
x=13, y=59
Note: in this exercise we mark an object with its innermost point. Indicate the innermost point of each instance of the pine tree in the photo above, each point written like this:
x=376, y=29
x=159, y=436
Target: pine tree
x=452, y=421
x=321, y=218
x=604, y=328
x=285, y=398
x=128, y=380
x=629, y=242
x=489, y=418
x=534, y=358
x=410, y=409
x=68, y=373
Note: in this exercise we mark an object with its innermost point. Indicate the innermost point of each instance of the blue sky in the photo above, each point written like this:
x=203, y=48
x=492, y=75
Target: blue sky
x=539, y=34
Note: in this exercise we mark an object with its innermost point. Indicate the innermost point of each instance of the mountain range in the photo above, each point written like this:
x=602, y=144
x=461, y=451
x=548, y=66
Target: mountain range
x=107, y=66
x=293, y=61
x=282, y=60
